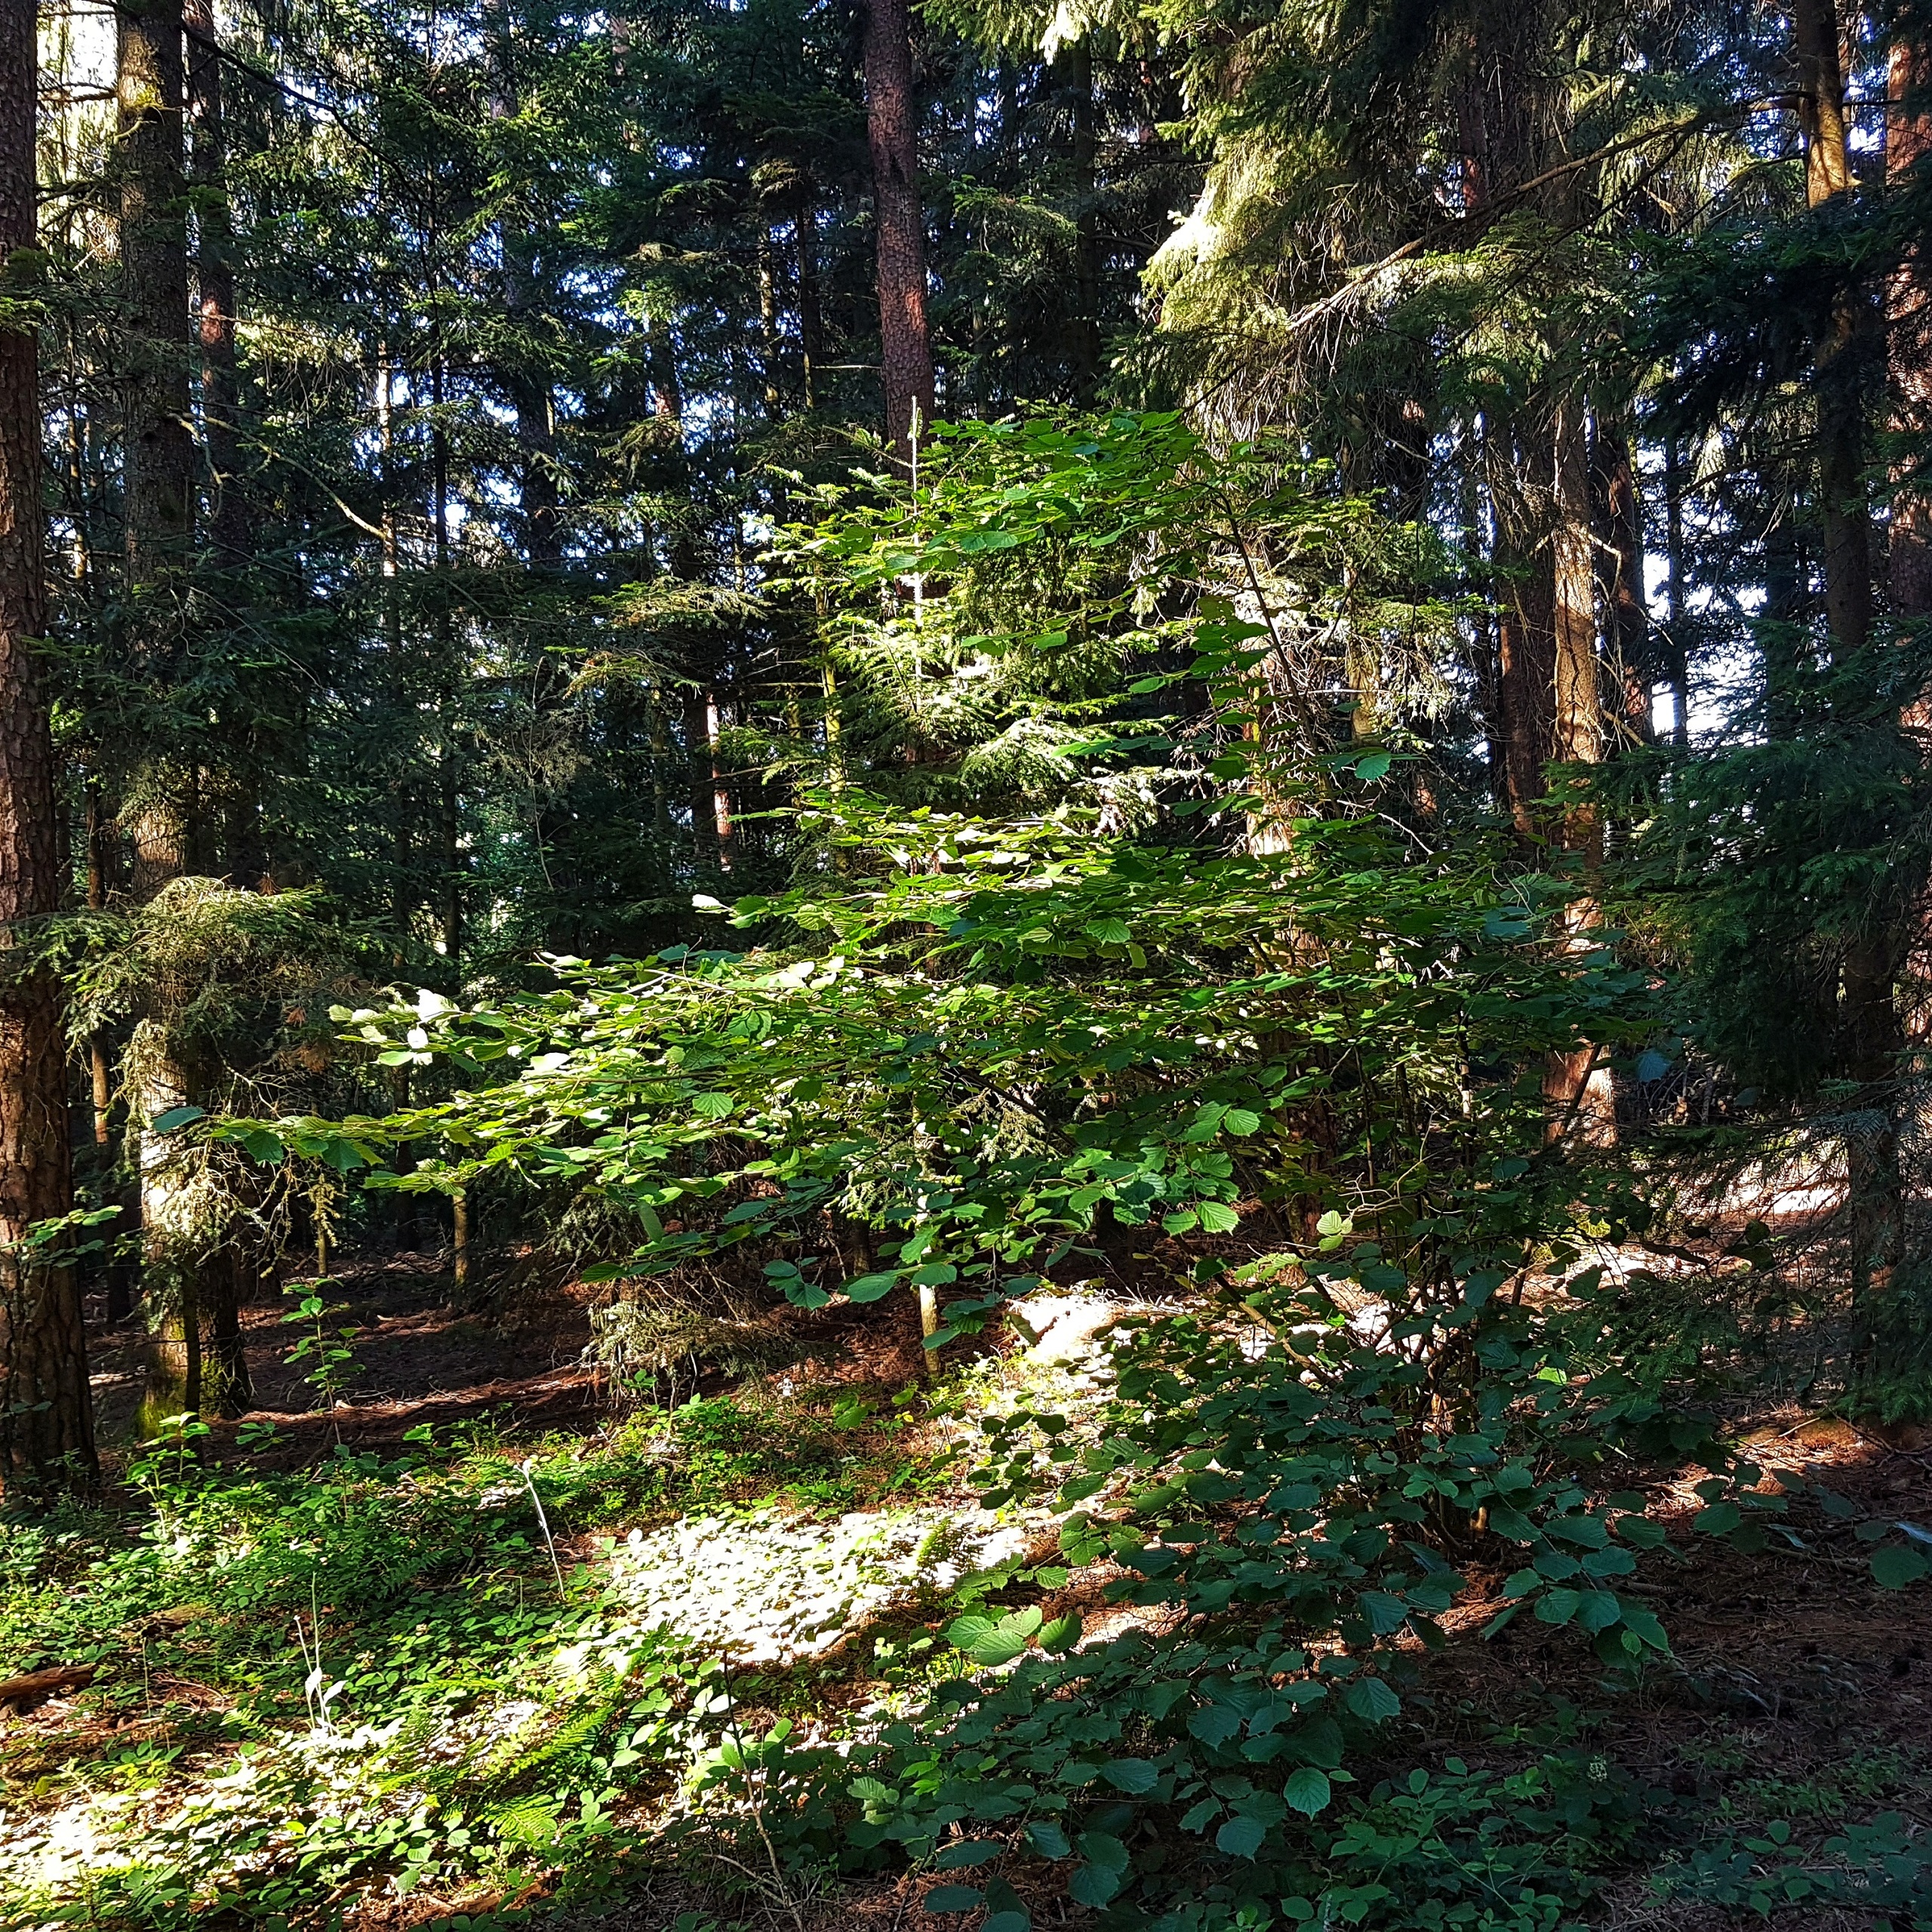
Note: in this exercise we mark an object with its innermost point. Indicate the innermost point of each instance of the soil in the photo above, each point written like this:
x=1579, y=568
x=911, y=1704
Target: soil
x=421, y=1356
x=1786, y=1662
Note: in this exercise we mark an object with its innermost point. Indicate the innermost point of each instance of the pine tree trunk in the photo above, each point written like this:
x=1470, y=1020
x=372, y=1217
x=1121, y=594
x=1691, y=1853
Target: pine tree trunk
x=773, y=395
x=1084, y=336
x=1523, y=591
x=214, y=275
x=158, y=484
x=1870, y=1034
x=892, y=123
x=535, y=402
x=1908, y=337
x=811, y=315
x=46, y=1415
x=1618, y=514
x=1676, y=608
x=1844, y=517
x=1577, y=1090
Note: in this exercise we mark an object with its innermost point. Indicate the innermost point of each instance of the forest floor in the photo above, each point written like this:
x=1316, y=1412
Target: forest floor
x=1797, y=1701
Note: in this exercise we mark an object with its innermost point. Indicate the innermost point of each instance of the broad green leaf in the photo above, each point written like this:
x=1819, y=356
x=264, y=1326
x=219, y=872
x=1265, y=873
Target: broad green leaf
x=1241, y=1838
x=1895, y=1566
x=1307, y=1790
x=1372, y=1699
x=954, y=1898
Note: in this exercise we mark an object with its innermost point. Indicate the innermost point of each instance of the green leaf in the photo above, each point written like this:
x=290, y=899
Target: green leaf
x=970, y=1851
x=1242, y=1837
x=955, y=1898
x=1895, y=1566
x=1215, y=1724
x=1386, y=1613
x=993, y=1641
x=1134, y=1775
x=871, y=1287
x=1062, y=1634
x=166, y=1122
x=1015, y=1919
x=1047, y=1839
x=712, y=1106
x=1103, y=1849
x=1218, y=1218
x=1374, y=766
x=1095, y=1884
x=1307, y=1790
x=1372, y=1700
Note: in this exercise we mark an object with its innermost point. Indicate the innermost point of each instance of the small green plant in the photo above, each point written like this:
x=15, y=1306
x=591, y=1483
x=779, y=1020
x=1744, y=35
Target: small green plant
x=323, y=1354
x=165, y=1469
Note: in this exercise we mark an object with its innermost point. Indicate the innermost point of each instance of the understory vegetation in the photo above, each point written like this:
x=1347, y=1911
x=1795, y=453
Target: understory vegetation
x=965, y=970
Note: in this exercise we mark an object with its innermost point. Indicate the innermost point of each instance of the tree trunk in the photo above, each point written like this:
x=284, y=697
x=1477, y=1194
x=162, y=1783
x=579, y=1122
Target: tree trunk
x=159, y=482
x=535, y=403
x=229, y=1280
x=773, y=396
x=1084, y=336
x=1524, y=591
x=46, y=1415
x=1618, y=514
x=1676, y=608
x=1579, y=1092
x=811, y=315
x=711, y=803
x=905, y=353
x=214, y=275
x=1870, y=1035
x=1908, y=340
x=1845, y=521
x=450, y=817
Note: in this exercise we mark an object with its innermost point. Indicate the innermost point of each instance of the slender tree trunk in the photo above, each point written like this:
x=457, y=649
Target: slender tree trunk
x=122, y=1271
x=1579, y=1092
x=1908, y=410
x=534, y=401
x=811, y=315
x=1085, y=337
x=449, y=799
x=767, y=323
x=711, y=803
x=892, y=130
x=46, y=1416
x=1618, y=514
x=1908, y=338
x=1870, y=1037
x=1844, y=517
x=214, y=274
x=158, y=481
x=1675, y=609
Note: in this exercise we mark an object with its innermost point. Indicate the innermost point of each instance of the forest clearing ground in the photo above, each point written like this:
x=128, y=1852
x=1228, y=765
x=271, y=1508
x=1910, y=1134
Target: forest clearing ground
x=1796, y=1688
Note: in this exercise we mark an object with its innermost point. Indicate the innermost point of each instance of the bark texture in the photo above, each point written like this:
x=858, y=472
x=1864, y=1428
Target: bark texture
x=46, y=1418
x=1844, y=518
x=214, y=277
x=150, y=86
x=905, y=353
